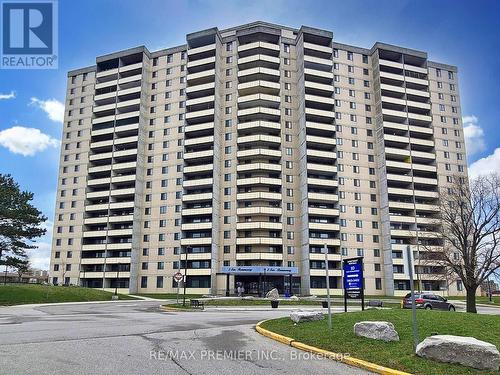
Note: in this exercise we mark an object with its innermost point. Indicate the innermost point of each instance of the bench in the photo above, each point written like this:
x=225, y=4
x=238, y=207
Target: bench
x=375, y=303
x=197, y=304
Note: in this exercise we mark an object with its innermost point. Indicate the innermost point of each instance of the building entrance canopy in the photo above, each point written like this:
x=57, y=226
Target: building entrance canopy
x=259, y=270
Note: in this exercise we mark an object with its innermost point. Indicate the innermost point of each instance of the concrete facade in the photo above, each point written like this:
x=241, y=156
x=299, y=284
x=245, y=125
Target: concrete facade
x=256, y=145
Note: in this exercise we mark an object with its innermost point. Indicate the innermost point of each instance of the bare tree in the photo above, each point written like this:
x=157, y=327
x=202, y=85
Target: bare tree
x=470, y=218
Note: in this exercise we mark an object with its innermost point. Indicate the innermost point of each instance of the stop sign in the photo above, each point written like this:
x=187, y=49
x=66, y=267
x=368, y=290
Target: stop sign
x=178, y=276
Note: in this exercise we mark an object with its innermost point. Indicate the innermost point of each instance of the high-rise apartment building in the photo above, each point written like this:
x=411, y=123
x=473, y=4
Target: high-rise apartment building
x=256, y=146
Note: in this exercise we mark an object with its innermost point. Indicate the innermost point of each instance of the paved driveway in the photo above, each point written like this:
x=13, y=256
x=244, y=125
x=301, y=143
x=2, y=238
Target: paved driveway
x=135, y=337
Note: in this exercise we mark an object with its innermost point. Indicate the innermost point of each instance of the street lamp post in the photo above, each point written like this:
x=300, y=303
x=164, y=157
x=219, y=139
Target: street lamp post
x=325, y=250
x=413, y=303
x=117, y=279
x=185, y=275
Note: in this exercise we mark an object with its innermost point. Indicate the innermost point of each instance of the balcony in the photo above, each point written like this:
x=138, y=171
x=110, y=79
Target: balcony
x=273, y=48
x=202, y=182
x=317, y=47
x=201, y=62
x=331, y=155
x=322, y=197
x=321, y=182
x=197, y=197
x=259, y=241
x=199, y=155
x=392, y=76
x=201, y=89
x=255, y=152
x=314, y=87
x=258, y=86
x=392, y=64
x=318, y=74
x=197, y=211
x=199, y=127
x=121, y=192
x=260, y=138
x=196, y=241
x=120, y=232
x=259, y=181
x=258, y=195
x=317, y=60
x=259, y=211
x=423, y=118
x=259, y=113
x=205, y=115
x=198, y=168
x=259, y=59
x=255, y=100
x=324, y=168
x=259, y=256
x=202, y=100
x=199, y=141
x=197, y=226
x=320, y=126
x=201, y=50
x=258, y=225
x=321, y=141
x=255, y=74
x=324, y=226
x=260, y=125
x=258, y=167
x=201, y=77
x=324, y=241
x=423, y=155
x=323, y=212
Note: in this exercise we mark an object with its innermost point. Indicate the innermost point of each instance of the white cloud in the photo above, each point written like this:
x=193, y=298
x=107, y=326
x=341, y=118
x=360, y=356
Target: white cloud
x=474, y=135
x=40, y=257
x=12, y=95
x=486, y=165
x=26, y=141
x=53, y=107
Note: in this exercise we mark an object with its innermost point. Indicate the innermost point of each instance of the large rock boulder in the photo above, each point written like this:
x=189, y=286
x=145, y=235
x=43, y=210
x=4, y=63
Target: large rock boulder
x=376, y=330
x=305, y=316
x=272, y=294
x=467, y=351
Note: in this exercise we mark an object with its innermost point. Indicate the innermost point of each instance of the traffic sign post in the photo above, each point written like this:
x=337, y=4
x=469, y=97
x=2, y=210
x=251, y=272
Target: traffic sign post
x=177, y=278
x=354, y=287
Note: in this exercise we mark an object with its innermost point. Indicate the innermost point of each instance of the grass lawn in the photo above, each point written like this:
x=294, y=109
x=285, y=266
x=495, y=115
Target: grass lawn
x=397, y=355
x=168, y=295
x=481, y=299
x=18, y=294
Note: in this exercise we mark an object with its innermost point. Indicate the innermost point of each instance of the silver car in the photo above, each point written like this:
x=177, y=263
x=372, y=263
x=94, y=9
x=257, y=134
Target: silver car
x=428, y=301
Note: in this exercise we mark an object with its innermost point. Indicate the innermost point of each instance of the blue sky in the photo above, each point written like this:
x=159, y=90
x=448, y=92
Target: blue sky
x=460, y=33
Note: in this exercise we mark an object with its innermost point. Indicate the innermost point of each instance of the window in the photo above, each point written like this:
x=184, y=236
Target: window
x=159, y=281
x=144, y=282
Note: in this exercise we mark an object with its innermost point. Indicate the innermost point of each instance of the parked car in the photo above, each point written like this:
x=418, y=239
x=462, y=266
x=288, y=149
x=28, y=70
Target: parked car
x=428, y=301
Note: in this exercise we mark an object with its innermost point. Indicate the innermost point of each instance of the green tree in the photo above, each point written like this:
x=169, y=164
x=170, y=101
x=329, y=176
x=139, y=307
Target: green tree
x=20, y=221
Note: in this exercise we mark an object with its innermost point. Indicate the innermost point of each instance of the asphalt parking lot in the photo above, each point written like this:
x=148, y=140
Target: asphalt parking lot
x=136, y=337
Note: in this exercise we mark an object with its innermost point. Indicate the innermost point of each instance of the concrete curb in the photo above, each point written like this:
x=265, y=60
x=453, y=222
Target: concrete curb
x=176, y=309
x=334, y=356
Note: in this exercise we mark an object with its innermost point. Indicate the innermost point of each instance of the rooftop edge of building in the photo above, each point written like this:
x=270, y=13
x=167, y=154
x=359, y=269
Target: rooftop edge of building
x=256, y=24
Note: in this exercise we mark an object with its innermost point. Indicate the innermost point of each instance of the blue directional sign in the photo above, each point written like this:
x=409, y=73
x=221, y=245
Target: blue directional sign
x=353, y=277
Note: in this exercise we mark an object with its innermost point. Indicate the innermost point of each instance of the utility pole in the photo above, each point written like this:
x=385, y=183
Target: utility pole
x=325, y=250
x=185, y=275
x=117, y=279
x=489, y=289
x=413, y=305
